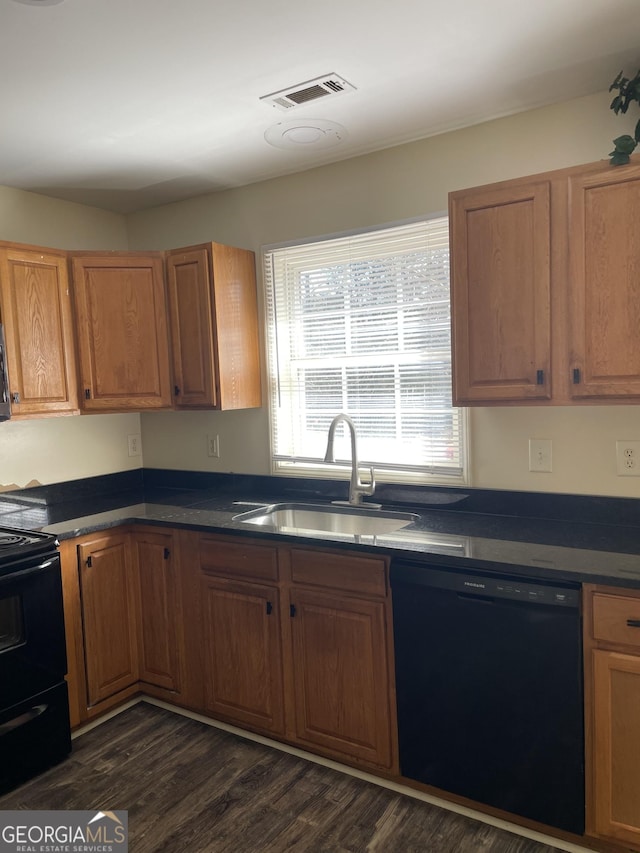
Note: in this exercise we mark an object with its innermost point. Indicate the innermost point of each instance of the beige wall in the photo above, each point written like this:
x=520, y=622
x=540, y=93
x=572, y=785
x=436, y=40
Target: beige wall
x=51, y=450
x=32, y=218
x=392, y=185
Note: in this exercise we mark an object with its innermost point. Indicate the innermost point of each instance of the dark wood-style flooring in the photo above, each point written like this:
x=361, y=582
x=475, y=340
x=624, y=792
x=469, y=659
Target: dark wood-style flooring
x=190, y=787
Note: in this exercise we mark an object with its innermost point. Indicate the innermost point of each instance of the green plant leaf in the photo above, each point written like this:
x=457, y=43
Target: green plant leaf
x=629, y=91
x=616, y=82
x=618, y=159
x=625, y=144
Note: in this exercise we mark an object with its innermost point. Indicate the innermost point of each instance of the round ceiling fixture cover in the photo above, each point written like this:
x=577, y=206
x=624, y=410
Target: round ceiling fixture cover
x=305, y=133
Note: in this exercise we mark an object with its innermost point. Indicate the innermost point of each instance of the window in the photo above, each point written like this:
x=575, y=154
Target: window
x=361, y=325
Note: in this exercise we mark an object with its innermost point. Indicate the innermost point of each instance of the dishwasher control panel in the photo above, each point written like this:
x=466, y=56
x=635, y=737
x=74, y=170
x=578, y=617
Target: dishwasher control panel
x=485, y=585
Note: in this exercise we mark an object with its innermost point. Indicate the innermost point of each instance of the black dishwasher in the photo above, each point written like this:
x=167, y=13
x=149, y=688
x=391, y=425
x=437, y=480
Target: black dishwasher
x=489, y=689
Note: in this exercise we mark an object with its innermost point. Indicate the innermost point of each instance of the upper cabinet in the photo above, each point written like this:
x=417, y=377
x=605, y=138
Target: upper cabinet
x=36, y=312
x=501, y=298
x=214, y=327
x=604, y=283
x=545, y=302
x=122, y=331
x=115, y=315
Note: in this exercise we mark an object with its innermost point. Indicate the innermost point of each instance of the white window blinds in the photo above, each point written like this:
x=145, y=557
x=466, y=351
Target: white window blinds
x=361, y=325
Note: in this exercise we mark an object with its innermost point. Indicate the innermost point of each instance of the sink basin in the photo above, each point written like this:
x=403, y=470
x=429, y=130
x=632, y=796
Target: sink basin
x=344, y=520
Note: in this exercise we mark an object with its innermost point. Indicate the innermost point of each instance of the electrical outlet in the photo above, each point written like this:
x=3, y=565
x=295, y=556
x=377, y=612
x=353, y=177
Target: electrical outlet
x=540, y=454
x=628, y=458
x=134, y=444
x=213, y=445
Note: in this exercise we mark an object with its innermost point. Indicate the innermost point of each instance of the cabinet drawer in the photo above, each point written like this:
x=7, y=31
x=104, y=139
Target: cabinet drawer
x=612, y=615
x=339, y=571
x=217, y=556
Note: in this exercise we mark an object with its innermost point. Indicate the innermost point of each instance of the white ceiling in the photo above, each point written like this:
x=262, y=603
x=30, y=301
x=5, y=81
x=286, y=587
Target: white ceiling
x=127, y=104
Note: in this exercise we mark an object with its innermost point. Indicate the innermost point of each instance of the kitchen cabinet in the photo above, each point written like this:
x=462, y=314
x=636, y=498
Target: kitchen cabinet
x=242, y=659
x=342, y=685
x=545, y=305
x=501, y=292
x=297, y=644
x=76, y=676
x=123, y=345
x=612, y=678
x=604, y=259
x=155, y=560
x=214, y=327
x=109, y=608
x=37, y=317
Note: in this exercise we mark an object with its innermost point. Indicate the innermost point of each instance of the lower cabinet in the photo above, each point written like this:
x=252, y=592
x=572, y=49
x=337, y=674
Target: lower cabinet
x=242, y=655
x=123, y=618
x=290, y=642
x=612, y=677
x=109, y=616
x=159, y=632
x=340, y=674
x=296, y=643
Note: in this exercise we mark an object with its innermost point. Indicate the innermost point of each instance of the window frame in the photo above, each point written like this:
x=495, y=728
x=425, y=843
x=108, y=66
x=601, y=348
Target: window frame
x=314, y=469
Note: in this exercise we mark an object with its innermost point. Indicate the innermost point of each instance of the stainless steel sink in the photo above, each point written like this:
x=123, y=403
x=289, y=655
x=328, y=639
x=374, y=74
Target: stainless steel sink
x=325, y=518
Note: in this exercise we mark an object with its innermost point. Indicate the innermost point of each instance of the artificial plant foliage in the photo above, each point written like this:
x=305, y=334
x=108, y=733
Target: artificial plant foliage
x=628, y=91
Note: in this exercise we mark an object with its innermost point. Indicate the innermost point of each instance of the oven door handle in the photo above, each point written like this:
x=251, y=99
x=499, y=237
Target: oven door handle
x=22, y=719
x=22, y=573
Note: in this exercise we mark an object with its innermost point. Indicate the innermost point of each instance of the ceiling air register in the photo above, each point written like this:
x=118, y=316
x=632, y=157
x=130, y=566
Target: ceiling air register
x=329, y=85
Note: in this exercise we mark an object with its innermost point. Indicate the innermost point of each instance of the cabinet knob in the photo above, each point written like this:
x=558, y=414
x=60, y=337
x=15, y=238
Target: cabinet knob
x=176, y=391
x=539, y=377
x=633, y=623
x=292, y=610
x=167, y=553
x=269, y=608
x=15, y=397
x=87, y=393
x=576, y=375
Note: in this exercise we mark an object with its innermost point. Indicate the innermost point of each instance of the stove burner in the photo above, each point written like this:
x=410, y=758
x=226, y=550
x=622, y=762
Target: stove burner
x=7, y=540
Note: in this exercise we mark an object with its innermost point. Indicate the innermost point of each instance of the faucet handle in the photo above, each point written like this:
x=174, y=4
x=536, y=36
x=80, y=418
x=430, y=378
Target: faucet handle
x=370, y=487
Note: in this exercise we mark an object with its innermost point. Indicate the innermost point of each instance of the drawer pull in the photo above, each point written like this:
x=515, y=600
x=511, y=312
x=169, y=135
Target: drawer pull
x=633, y=623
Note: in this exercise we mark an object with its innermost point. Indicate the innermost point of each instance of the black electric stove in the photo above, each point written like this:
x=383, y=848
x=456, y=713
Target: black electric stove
x=34, y=706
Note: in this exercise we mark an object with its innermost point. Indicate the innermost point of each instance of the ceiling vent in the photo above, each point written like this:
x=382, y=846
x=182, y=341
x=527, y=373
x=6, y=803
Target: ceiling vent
x=329, y=85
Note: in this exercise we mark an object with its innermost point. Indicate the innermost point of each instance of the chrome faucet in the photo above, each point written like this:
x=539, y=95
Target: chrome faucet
x=356, y=487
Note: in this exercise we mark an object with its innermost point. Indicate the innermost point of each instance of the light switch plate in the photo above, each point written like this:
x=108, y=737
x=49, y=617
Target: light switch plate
x=540, y=455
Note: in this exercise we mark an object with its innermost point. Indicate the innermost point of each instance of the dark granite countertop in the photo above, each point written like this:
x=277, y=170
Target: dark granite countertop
x=565, y=538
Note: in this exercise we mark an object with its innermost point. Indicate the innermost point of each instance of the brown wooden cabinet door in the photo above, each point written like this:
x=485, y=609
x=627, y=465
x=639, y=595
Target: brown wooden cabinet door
x=36, y=312
x=109, y=616
x=242, y=658
x=236, y=312
x=604, y=275
x=159, y=635
x=190, y=312
x=122, y=332
x=76, y=677
x=341, y=678
x=214, y=326
x=501, y=292
x=616, y=747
